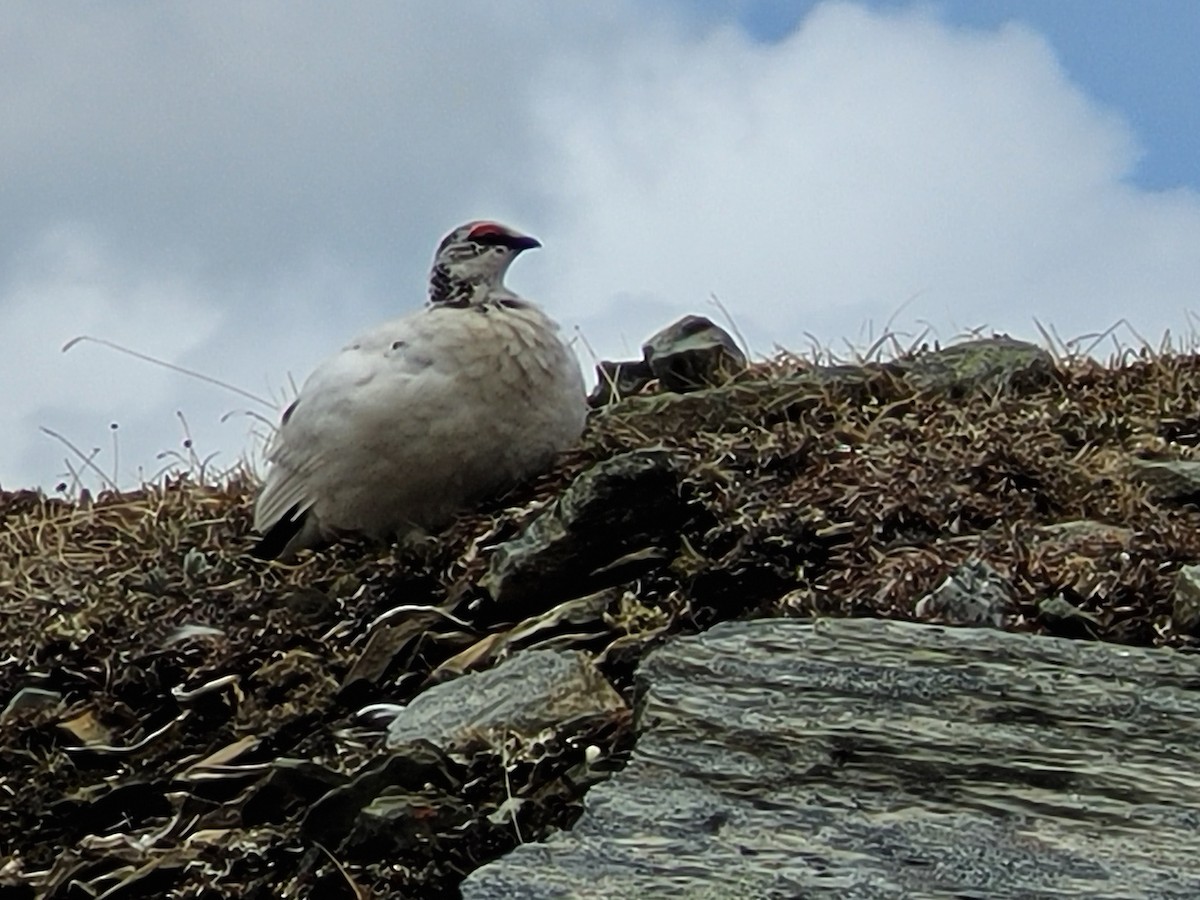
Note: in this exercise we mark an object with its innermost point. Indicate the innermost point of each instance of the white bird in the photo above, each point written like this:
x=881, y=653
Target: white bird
x=423, y=416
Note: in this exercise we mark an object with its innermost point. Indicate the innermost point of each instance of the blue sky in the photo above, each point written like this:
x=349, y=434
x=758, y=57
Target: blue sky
x=1138, y=56
x=241, y=187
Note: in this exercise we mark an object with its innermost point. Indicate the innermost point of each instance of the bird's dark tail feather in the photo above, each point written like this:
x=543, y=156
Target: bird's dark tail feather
x=272, y=544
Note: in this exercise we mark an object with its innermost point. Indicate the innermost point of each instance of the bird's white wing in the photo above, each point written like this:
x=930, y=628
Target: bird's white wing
x=346, y=399
x=287, y=484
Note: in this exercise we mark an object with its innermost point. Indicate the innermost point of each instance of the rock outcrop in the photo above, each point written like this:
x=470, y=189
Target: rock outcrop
x=860, y=758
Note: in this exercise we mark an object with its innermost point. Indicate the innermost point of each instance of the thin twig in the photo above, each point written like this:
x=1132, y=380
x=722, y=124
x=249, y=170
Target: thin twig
x=166, y=365
x=737, y=332
x=85, y=458
x=116, y=447
x=360, y=892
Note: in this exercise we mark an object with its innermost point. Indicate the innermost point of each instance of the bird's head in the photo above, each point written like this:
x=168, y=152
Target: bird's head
x=471, y=262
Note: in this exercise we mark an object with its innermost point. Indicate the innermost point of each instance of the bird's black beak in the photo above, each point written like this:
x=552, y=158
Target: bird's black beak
x=522, y=242
x=511, y=239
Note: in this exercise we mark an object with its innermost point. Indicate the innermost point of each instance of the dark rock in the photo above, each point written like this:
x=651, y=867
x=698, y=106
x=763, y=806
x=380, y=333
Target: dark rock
x=618, y=519
x=687, y=355
x=691, y=354
x=863, y=758
x=393, y=824
x=616, y=380
x=1069, y=620
x=289, y=788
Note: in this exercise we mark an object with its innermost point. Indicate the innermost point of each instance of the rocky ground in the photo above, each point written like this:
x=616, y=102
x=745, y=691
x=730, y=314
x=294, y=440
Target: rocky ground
x=174, y=711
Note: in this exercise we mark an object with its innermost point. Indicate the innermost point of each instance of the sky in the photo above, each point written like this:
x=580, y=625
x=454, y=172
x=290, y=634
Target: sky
x=239, y=188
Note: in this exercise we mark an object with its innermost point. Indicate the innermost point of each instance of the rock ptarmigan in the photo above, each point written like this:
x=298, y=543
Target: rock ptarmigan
x=422, y=416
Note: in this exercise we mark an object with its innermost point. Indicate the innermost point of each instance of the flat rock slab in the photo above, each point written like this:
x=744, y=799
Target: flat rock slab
x=527, y=693
x=862, y=758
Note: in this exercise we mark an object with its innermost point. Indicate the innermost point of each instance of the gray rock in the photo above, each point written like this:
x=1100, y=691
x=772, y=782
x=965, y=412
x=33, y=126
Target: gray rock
x=401, y=800
x=1185, y=604
x=422, y=775
x=862, y=758
x=1069, y=617
x=530, y=692
x=989, y=364
x=1168, y=479
x=973, y=594
x=993, y=365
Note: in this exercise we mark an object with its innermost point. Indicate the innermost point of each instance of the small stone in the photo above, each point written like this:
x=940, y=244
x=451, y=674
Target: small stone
x=527, y=693
x=973, y=594
x=615, y=380
x=1185, y=604
x=1168, y=479
x=693, y=353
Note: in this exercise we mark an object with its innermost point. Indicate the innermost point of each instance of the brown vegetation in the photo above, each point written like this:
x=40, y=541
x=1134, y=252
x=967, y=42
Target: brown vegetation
x=847, y=493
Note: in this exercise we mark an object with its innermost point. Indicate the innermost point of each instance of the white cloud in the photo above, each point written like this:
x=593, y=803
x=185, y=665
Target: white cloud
x=240, y=187
x=867, y=160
